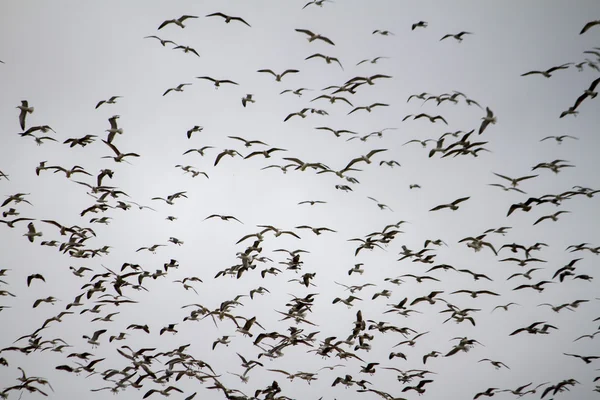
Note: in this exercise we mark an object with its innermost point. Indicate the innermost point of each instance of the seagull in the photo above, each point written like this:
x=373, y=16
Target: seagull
x=547, y=73
x=382, y=33
x=247, y=143
x=112, y=100
x=488, y=119
x=265, y=153
x=25, y=109
x=216, y=81
x=227, y=18
x=313, y=36
x=559, y=139
x=31, y=232
x=186, y=49
x=515, y=181
x=226, y=152
x=589, y=25
x=163, y=42
x=178, y=21
x=587, y=93
x=458, y=36
x=453, y=206
x=420, y=24
x=317, y=3
x=327, y=59
x=372, y=61
x=247, y=99
x=196, y=128
x=297, y=92
x=369, y=108
x=120, y=156
x=278, y=77
x=179, y=88
x=553, y=217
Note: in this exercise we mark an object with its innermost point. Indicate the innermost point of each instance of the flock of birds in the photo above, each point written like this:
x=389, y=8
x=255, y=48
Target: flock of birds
x=109, y=288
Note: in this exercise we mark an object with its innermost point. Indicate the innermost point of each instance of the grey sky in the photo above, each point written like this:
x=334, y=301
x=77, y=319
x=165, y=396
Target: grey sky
x=64, y=57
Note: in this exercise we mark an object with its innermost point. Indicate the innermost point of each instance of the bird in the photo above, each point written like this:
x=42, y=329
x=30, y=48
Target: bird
x=590, y=92
x=25, y=109
x=111, y=100
x=553, y=217
x=496, y=364
x=31, y=232
x=223, y=217
x=559, y=139
x=586, y=359
x=178, y=21
x=589, y=25
x=217, y=82
x=162, y=42
x=368, y=108
x=457, y=36
x=420, y=24
x=228, y=18
x=187, y=49
x=278, y=77
x=313, y=36
x=195, y=128
x=226, y=152
x=382, y=32
x=366, y=158
x=247, y=99
x=488, y=119
x=327, y=59
x=119, y=156
x=515, y=181
x=179, y=88
x=372, y=60
x=547, y=73
x=453, y=206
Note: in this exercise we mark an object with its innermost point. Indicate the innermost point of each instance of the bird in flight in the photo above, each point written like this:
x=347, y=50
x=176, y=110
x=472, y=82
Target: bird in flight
x=458, y=36
x=228, y=18
x=313, y=36
x=547, y=73
x=178, y=21
x=453, y=206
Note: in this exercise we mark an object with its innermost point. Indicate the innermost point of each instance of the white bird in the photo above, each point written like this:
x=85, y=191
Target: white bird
x=25, y=109
x=32, y=233
x=178, y=21
x=488, y=119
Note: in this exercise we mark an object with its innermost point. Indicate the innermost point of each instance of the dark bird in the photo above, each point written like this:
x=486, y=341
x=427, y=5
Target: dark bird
x=589, y=25
x=547, y=73
x=163, y=42
x=420, y=24
x=453, y=206
x=278, y=77
x=217, y=82
x=457, y=36
x=228, y=18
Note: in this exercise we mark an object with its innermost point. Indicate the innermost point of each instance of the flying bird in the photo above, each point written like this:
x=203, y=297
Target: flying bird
x=458, y=36
x=313, y=36
x=547, y=73
x=453, y=206
x=25, y=109
x=228, y=18
x=178, y=21
x=278, y=77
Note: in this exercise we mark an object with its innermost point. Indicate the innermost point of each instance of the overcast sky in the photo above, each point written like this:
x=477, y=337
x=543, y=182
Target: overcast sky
x=65, y=57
